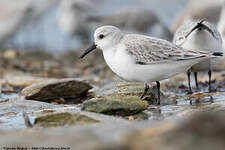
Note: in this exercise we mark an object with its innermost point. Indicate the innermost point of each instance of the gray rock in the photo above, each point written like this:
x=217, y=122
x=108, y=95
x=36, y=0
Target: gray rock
x=55, y=89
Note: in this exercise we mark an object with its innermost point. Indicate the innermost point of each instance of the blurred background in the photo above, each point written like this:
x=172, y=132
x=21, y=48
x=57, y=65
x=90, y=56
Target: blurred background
x=60, y=25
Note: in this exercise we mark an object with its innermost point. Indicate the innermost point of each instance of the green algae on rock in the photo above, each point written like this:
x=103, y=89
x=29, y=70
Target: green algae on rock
x=62, y=119
x=122, y=106
x=56, y=88
x=136, y=89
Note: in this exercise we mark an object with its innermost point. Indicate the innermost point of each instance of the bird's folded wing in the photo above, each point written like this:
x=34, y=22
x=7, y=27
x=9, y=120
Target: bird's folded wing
x=149, y=50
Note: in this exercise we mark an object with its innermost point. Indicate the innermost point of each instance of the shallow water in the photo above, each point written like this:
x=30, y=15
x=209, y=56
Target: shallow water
x=12, y=118
x=8, y=95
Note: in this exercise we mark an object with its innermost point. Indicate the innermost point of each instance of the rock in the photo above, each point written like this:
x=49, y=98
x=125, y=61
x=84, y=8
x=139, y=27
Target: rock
x=122, y=106
x=202, y=131
x=136, y=89
x=138, y=117
x=62, y=119
x=22, y=80
x=56, y=89
x=124, y=100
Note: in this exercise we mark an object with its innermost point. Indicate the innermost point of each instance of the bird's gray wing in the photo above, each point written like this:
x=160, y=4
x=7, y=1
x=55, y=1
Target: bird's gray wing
x=149, y=50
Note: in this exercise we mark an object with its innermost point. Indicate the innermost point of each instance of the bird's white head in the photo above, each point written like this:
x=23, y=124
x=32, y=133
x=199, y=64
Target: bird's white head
x=105, y=37
x=201, y=30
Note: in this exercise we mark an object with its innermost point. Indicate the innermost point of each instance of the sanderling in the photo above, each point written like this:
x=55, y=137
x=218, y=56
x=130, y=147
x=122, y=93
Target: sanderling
x=199, y=35
x=196, y=10
x=142, y=58
x=221, y=24
x=136, y=19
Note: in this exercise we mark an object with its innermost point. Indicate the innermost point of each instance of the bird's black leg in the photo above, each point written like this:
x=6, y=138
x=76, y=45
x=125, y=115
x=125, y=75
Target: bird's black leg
x=196, y=79
x=210, y=74
x=158, y=87
x=145, y=90
x=189, y=82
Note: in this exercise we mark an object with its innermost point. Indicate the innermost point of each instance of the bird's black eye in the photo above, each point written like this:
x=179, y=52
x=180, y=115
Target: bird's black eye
x=101, y=36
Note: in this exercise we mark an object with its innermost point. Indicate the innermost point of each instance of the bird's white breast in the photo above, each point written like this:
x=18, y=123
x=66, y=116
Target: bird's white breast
x=202, y=40
x=119, y=61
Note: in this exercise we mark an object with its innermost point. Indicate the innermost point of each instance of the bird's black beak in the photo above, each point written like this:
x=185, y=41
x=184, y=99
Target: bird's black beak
x=90, y=49
x=199, y=26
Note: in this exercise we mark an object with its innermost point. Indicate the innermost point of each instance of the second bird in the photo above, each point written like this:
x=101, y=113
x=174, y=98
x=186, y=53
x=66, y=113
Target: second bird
x=199, y=35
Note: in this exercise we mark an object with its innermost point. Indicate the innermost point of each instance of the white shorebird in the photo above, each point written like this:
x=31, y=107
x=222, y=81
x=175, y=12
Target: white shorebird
x=199, y=35
x=196, y=10
x=143, y=58
x=221, y=24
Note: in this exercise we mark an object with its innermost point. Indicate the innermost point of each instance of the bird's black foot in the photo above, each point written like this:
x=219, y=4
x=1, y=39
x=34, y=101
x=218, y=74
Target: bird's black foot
x=158, y=88
x=189, y=83
x=210, y=74
x=145, y=91
x=190, y=92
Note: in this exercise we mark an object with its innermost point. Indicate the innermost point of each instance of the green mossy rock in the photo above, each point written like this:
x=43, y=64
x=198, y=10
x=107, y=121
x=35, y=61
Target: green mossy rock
x=117, y=105
x=62, y=119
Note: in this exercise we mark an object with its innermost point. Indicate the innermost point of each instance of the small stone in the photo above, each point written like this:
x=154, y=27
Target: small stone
x=10, y=54
x=131, y=118
x=58, y=101
x=199, y=95
x=122, y=106
x=56, y=89
x=62, y=119
x=138, y=117
x=22, y=80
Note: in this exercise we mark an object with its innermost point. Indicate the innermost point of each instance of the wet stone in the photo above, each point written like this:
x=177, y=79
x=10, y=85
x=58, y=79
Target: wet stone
x=57, y=89
x=122, y=106
x=136, y=89
x=62, y=119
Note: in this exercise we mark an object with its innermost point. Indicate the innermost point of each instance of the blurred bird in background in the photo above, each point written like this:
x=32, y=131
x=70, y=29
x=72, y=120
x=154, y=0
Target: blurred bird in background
x=199, y=35
x=221, y=24
x=197, y=10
